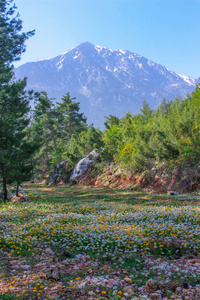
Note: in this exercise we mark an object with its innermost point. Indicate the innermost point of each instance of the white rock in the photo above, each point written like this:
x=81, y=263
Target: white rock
x=82, y=166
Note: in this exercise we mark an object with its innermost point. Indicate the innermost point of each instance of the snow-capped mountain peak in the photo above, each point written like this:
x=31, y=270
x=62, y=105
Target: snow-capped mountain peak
x=105, y=81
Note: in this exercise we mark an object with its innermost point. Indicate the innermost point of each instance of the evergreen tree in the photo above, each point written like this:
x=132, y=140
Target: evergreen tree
x=58, y=128
x=13, y=99
x=43, y=130
x=111, y=120
x=70, y=120
x=12, y=41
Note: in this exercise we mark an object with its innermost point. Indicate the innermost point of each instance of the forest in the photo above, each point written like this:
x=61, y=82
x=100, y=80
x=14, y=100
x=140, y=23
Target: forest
x=167, y=137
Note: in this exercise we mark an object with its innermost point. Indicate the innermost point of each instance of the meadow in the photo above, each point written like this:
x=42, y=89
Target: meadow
x=92, y=243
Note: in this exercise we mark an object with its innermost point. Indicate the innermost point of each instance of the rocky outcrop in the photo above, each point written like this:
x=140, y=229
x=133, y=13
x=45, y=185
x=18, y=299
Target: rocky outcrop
x=9, y=194
x=58, y=171
x=82, y=166
x=160, y=180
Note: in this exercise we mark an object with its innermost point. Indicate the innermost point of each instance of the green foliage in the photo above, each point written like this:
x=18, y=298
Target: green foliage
x=171, y=134
x=111, y=120
x=7, y=297
x=70, y=120
x=90, y=139
x=112, y=139
x=62, y=134
x=72, y=153
x=12, y=41
x=14, y=100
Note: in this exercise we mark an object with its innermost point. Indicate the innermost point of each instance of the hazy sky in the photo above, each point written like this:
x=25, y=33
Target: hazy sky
x=164, y=31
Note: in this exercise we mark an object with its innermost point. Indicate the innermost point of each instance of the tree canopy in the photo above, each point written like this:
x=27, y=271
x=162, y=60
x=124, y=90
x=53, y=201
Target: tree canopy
x=14, y=100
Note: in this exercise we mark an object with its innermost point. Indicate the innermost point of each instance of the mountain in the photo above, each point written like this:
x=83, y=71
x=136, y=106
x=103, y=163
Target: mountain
x=105, y=81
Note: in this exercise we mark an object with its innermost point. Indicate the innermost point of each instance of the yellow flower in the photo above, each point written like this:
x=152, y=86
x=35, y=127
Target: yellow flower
x=103, y=292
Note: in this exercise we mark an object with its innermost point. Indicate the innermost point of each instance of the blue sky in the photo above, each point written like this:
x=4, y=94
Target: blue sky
x=164, y=31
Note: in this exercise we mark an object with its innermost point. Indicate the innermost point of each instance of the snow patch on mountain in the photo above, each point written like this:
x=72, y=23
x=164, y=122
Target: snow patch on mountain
x=189, y=80
x=105, y=81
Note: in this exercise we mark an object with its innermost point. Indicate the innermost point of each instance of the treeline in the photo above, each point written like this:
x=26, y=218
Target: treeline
x=168, y=134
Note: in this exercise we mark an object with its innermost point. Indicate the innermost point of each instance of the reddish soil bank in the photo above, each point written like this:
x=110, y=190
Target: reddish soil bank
x=157, y=181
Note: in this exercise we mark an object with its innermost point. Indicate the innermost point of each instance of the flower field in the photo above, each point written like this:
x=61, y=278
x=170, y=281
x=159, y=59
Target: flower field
x=69, y=245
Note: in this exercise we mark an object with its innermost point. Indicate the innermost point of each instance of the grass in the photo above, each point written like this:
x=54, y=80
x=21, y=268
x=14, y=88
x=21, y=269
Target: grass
x=119, y=233
x=7, y=297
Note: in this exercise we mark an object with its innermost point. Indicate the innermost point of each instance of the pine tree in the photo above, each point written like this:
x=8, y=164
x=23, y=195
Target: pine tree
x=70, y=120
x=13, y=99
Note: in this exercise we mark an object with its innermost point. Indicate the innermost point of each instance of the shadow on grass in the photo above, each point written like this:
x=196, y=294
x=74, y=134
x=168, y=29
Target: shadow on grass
x=113, y=195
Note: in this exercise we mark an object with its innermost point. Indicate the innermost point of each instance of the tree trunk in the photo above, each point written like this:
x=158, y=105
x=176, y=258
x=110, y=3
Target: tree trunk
x=54, y=142
x=70, y=129
x=5, y=197
x=54, y=139
x=17, y=190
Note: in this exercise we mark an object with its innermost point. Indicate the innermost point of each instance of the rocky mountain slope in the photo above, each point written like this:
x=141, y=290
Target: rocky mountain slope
x=105, y=81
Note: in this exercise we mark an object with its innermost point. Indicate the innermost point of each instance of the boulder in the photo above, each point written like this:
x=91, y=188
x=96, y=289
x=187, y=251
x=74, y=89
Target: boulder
x=20, y=198
x=23, y=197
x=9, y=194
x=15, y=199
x=82, y=166
x=58, y=170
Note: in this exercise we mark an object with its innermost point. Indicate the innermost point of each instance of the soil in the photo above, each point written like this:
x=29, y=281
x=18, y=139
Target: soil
x=181, y=179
